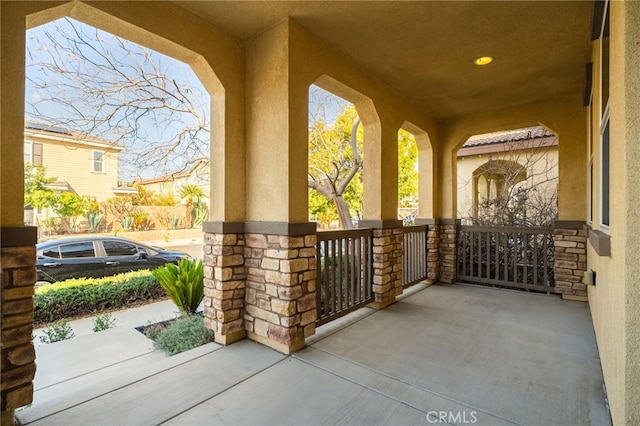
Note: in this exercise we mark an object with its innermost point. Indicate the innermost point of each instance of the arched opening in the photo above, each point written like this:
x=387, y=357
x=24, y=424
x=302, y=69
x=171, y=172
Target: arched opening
x=338, y=122
x=408, y=167
x=509, y=178
x=141, y=118
x=74, y=140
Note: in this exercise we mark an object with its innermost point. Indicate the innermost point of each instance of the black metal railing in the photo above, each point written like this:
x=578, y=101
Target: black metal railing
x=516, y=257
x=414, y=254
x=344, y=275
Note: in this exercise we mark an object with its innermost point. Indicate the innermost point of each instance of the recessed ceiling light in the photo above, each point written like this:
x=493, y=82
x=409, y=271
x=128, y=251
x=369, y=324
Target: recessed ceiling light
x=483, y=60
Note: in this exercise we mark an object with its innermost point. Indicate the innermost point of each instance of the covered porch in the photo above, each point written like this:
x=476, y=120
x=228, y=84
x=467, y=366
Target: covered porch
x=406, y=65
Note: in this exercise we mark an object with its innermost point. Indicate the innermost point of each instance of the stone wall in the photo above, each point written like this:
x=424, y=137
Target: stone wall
x=224, y=285
x=281, y=289
x=17, y=259
x=570, y=262
x=387, y=266
x=447, y=250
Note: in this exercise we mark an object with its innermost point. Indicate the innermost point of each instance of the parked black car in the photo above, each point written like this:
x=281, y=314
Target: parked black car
x=97, y=257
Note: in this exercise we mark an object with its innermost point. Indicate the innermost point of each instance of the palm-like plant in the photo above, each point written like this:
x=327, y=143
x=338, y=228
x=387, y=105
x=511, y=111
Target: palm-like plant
x=184, y=283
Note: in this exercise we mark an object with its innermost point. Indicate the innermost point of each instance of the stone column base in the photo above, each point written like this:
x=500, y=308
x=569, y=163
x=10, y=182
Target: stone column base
x=575, y=298
x=285, y=348
x=18, y=260
x=224, y=281
x=448, y=250
x=387, y=260
x=7, y=418
x=570, y=242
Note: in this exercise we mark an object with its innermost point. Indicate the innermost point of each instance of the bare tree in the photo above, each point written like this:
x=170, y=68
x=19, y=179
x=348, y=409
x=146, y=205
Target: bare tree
x=83, y=79
x=334, y=158
x=517, y=187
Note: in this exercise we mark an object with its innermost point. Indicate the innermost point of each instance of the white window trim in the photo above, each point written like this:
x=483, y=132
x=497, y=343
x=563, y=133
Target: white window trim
x=603, y=126
x=590, y=190
x=28, y=151
x=103, y=162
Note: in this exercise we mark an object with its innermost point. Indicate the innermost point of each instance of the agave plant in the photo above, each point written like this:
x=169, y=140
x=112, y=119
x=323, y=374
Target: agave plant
x=183, y=283
x=126, y=222
x=95, y=219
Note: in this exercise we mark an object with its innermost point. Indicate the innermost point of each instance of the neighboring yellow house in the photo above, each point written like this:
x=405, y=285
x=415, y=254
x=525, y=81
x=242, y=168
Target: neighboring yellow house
x=81, y=164
x=498, y=166
x=172, y=183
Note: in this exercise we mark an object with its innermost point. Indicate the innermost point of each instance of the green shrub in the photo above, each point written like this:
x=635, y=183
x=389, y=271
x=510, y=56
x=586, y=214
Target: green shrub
x=184, y=333
x=57, y=331
x=103, y=322
x=183, y=283
x=85, y=296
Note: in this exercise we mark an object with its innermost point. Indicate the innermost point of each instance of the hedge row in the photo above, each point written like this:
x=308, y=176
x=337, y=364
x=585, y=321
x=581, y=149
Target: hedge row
x=79, y=297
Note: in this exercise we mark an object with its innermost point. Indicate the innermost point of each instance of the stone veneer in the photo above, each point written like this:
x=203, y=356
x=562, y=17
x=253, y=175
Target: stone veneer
x=17, y=260
x=447, y=250
x=433, y=242
x=260, y=282
x=570, y=241
x=387, y=266
x=281, y=289
x=224, y=285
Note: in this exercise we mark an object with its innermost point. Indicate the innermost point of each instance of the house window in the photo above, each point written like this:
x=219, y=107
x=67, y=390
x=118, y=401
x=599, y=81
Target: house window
x=605, y=209
x=33, y=153
x=604, y=171
x=98, y=161
x=591, y=188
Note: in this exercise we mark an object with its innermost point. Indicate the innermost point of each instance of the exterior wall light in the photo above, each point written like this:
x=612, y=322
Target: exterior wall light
x=483, y=60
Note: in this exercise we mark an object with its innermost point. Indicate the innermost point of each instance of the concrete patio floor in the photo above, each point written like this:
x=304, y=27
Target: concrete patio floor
x=455, y=354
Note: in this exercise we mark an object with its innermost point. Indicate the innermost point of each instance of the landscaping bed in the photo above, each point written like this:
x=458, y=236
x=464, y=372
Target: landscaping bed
x=178, y=334
x=78, y=298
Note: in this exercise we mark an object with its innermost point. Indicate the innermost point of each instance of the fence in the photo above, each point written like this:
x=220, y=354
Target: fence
x=414, y=254
x=514, y=257
x=344, y=272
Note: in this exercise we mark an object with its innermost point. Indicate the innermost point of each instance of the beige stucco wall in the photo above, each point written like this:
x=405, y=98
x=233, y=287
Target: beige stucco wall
x=614, y=301
x=564, y=117
x=542, y=173
x=281, y=94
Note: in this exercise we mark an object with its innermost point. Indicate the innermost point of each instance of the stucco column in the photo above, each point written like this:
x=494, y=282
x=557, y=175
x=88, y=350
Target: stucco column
x=279, y=254
x=17, y=251
x=277, y=142
x=12, y=86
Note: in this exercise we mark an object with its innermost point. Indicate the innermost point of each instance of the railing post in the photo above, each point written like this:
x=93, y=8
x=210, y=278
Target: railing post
x=570, y=262
x=387, y=260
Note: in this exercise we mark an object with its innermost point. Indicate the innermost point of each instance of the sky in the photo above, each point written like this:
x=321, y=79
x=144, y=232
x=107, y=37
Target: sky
x=42, y=50
x=154, y=127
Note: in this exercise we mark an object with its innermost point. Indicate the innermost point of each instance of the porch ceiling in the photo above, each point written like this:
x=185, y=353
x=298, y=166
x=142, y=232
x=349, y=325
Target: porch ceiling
x=425, y=49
